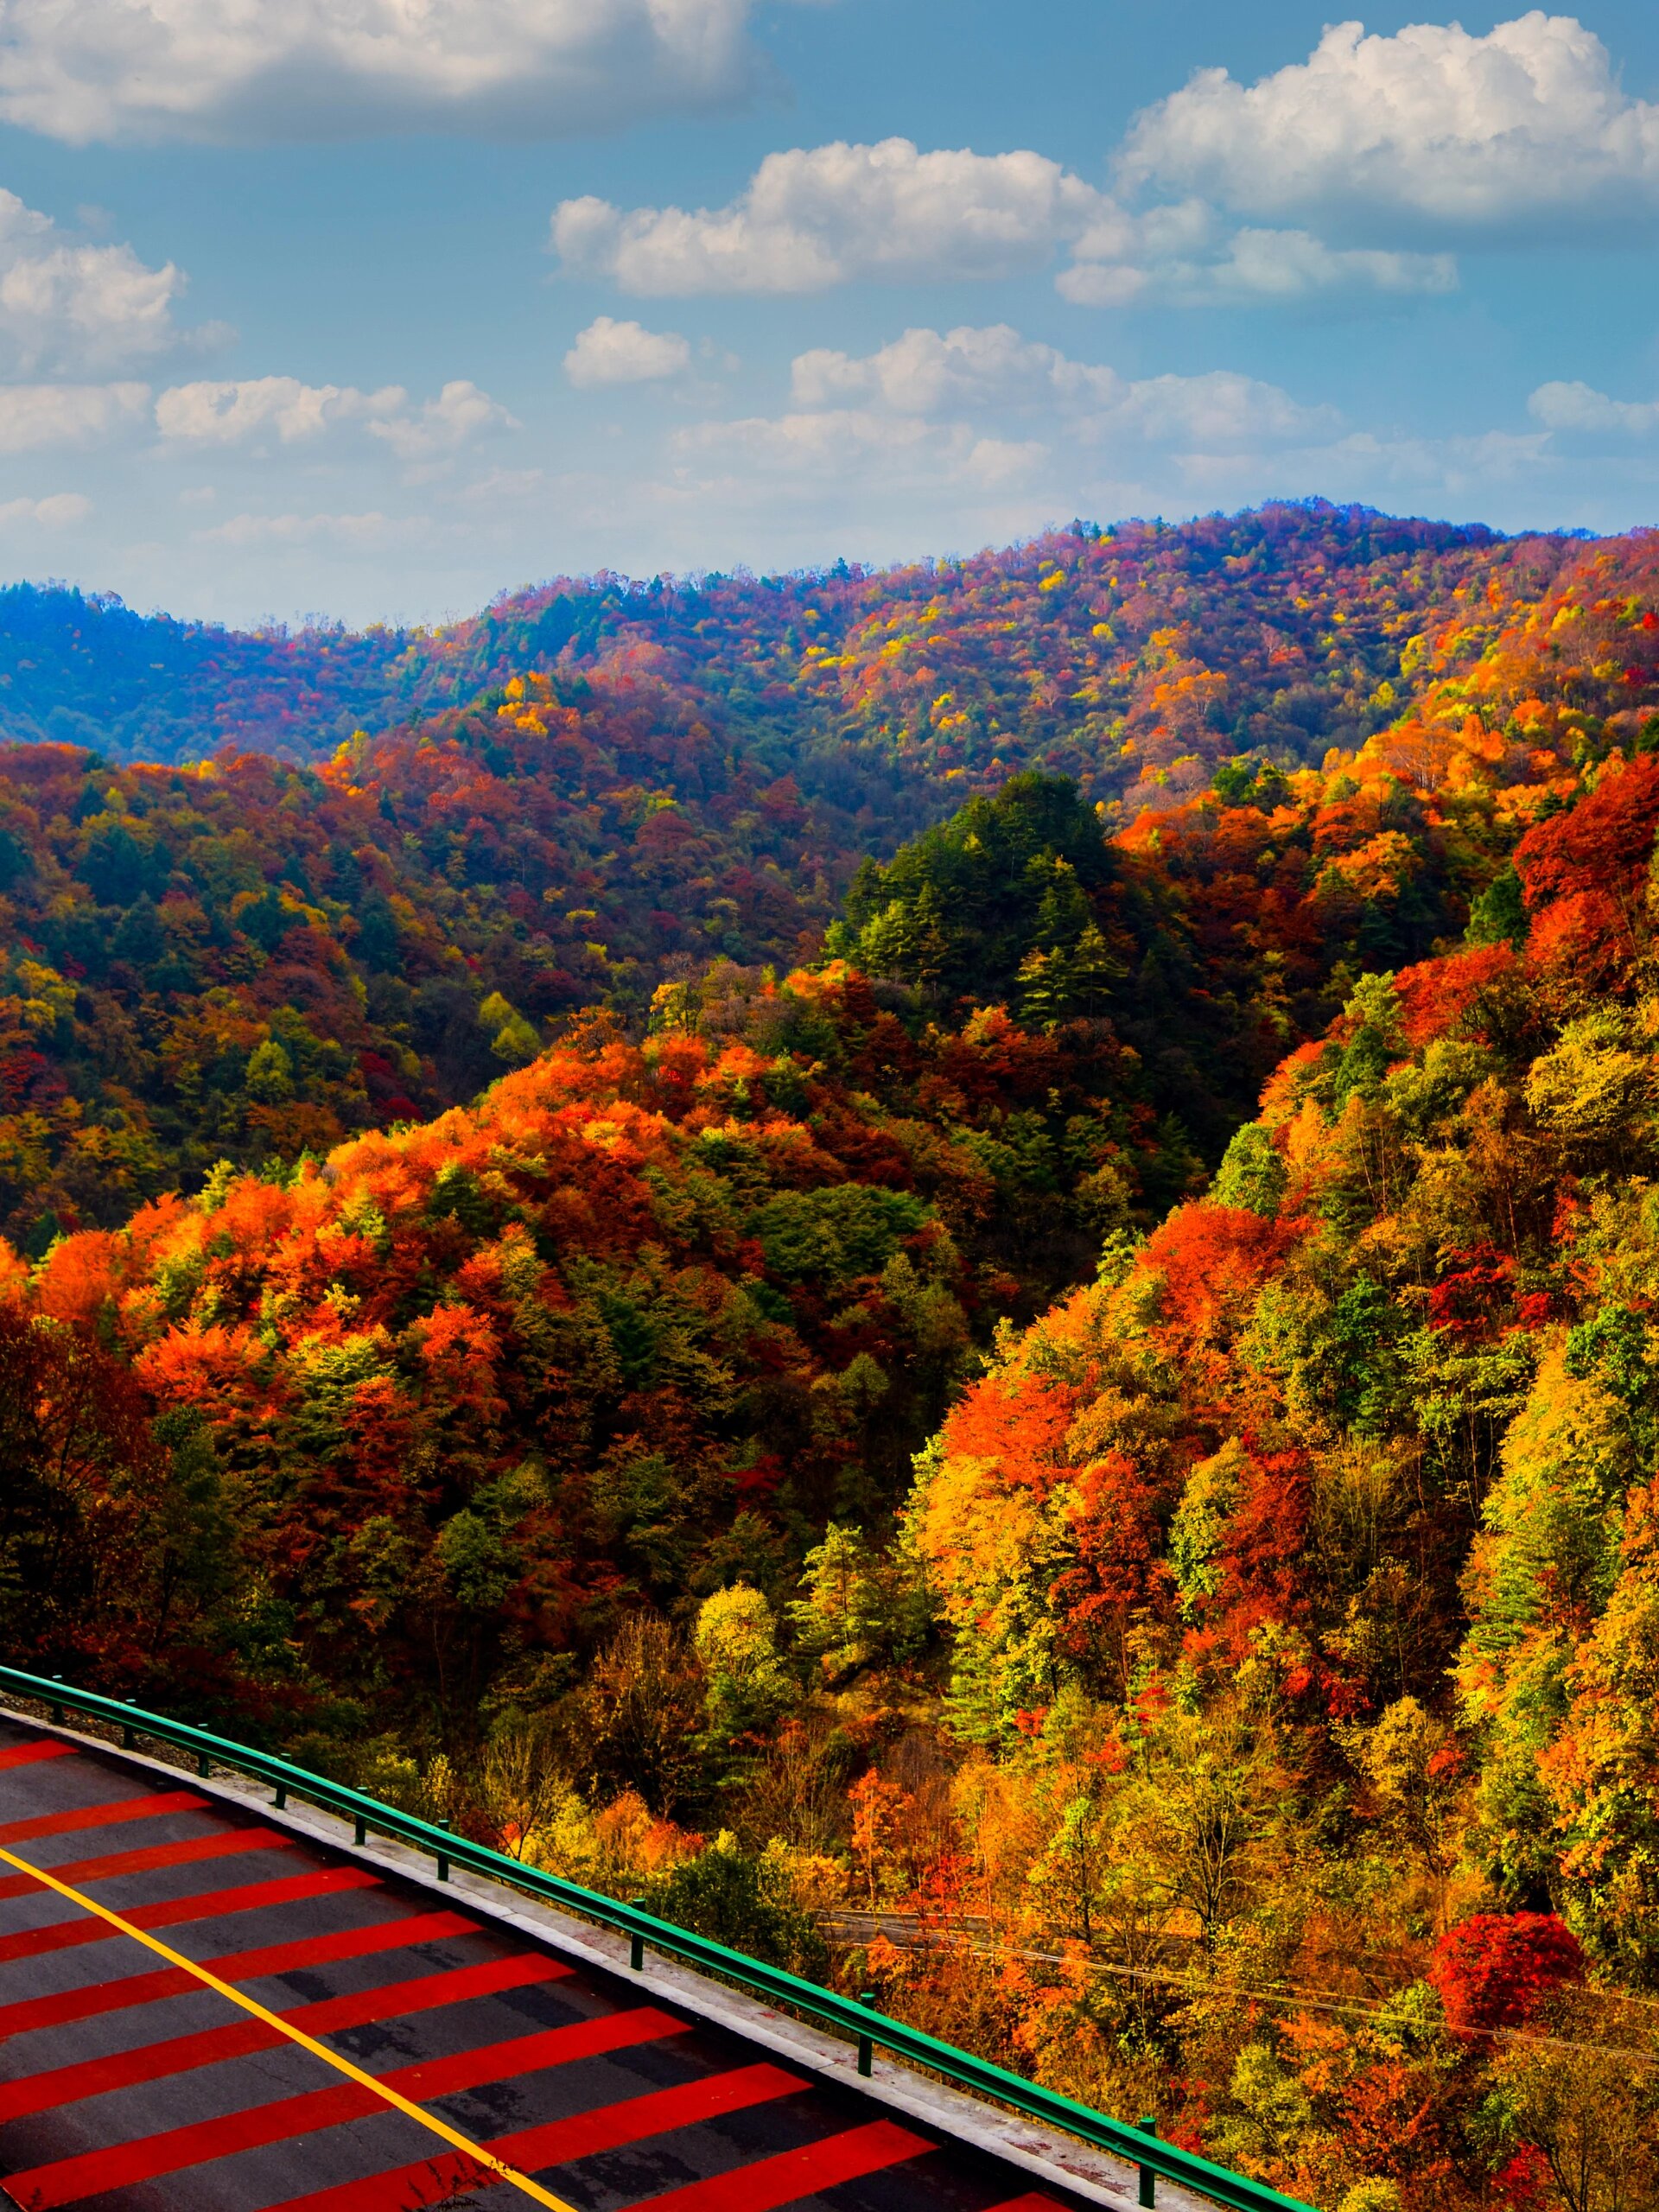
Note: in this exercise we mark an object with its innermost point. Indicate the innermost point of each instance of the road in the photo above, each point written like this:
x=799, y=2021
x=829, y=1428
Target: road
x=447, y=2058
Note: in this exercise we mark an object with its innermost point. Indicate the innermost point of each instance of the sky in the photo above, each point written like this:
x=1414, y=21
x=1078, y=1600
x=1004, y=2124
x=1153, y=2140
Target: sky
x=373, y=309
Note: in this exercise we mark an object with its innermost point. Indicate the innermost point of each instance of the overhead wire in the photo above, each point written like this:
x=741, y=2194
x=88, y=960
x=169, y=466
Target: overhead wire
x=1298, y=1997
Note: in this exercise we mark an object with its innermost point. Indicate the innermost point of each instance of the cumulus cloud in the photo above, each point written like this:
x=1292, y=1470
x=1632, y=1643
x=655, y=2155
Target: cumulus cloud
x=34, y=415
x=67, y=303
x=237, y=412
x=58, y=510
x=983, y=420
x=1218, y=408
x=81, y=70
x=1250, y=267
x=979, y=433
x=461, y=413
x=609, y=352
x=813, y=218
x=983, y=430
x=1580, y=407
x=227, y=412
x=1471, y=463
x=995, y=369
x=833, y=443
x=1433, y=123
x=926, y=370
x=355, y=533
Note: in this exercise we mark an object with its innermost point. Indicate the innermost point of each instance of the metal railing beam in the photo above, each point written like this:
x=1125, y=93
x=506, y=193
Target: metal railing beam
x=867, y=2028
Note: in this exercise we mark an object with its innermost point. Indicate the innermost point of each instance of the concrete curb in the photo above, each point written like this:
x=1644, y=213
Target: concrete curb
x=1043, y=2153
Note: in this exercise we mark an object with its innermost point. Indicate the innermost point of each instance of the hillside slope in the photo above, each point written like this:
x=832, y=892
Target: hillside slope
x=818, y=1436
x=1306, y=1565
x=245, y=958
x=1291, y=627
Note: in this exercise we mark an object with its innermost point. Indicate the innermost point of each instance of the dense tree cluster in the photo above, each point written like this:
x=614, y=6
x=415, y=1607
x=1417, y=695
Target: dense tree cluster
x=1073, y=1362
x=1128, y=656
x=244, y=958
x=1337, y=1492
x=80, y=670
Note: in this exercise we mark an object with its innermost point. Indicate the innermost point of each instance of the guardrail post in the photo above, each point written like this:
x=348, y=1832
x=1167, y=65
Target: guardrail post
x=904, y=2043
x=866, y=2044
x=203, y=1765
x=360, y=1833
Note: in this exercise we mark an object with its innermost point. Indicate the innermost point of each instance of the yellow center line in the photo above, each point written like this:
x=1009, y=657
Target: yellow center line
x=388, y=2096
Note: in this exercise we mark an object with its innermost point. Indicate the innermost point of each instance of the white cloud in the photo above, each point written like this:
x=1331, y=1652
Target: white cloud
x=81, y=70
x=1294, y=264
x=609, y=352
x=226, y=412
x=1465, y=465
x=984, y=433
x=1255, y=268
x=868, y=476
x=836, y=443
x=355, y=533
x=233, y=412
x=1220, y=408
x=1580, y=407
x=1432, y=122
x=33, y=415
x=89, y=309
x=460, y=413
x=58, y=510
x=813, y=218
x=926, y=372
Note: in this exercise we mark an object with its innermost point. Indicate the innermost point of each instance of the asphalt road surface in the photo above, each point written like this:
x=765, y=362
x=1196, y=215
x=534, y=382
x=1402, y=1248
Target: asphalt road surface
x=129, y=2083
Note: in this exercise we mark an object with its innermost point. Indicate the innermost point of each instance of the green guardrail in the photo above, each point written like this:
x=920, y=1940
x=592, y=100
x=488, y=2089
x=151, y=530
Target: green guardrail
x=1140, y=2144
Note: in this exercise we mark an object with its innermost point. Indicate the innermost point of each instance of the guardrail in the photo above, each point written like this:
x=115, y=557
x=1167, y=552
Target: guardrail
x=872, y=2031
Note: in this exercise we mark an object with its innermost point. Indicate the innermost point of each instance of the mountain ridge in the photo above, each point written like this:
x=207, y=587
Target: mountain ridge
x=72, y=664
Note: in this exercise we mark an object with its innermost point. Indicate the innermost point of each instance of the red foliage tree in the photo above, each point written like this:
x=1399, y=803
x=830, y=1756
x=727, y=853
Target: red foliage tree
x=1475, y=1286
x=1117, y=1573
x=1211, y=1257
x=1021, y=1421
x=1436, y=996
x=1494, y=1969
x=1264, y=1548
x=1602, y=844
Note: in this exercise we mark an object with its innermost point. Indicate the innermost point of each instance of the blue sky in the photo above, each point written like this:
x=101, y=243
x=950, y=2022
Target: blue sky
x=375, y=307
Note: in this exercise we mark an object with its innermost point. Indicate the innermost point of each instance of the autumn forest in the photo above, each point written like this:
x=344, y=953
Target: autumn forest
x=956, y=1267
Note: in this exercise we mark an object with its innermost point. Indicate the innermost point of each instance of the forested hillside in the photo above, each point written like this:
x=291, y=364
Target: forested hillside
x=82, y=669
x=1113, y=655
x=1072, y=1361
x=245, y=958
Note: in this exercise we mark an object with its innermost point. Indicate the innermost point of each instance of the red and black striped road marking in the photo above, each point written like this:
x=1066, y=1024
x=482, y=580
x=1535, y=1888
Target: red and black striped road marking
x=561, y=2142
x=178, y=1912
x=603, y=2095
x=223, y=1843
x=120, y=2166
x=114, y=1814
x=154, y=2062
x=64, y=2006
x=46, y=1747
